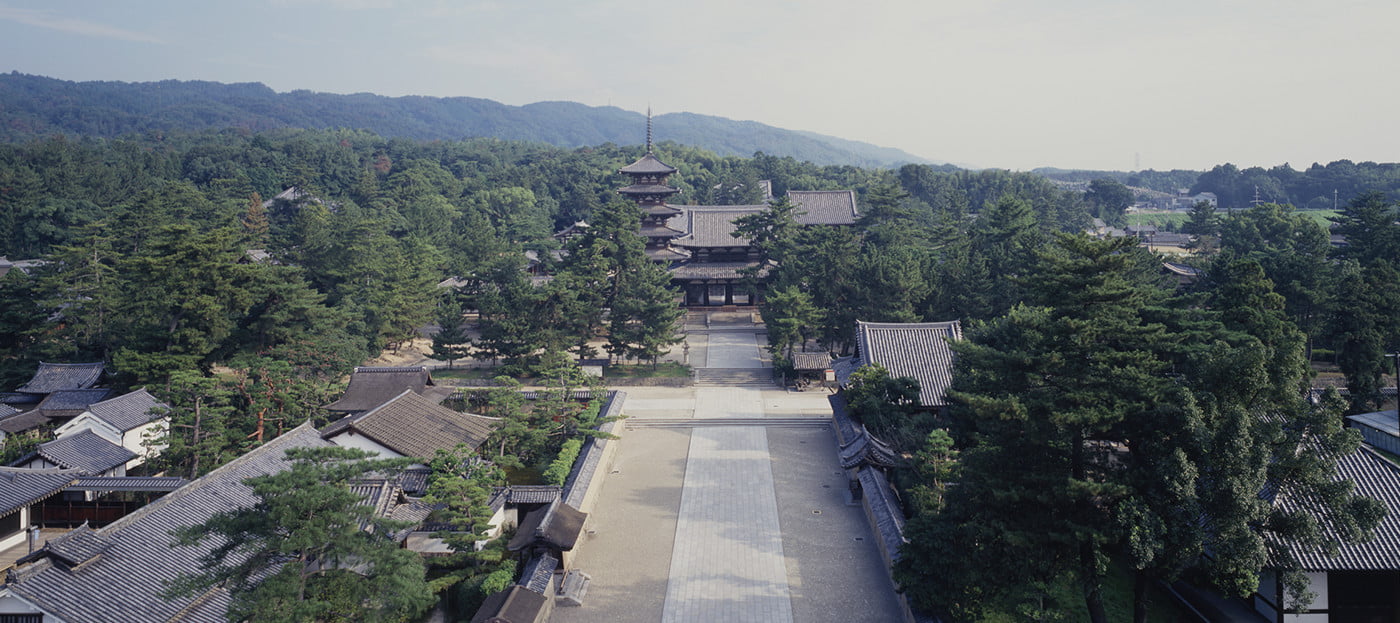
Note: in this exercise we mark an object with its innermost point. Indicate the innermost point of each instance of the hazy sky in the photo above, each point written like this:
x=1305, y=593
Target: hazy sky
x=995, y=83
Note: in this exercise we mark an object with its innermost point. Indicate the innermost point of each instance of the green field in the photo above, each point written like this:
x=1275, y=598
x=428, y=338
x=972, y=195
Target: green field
x=1173, y=219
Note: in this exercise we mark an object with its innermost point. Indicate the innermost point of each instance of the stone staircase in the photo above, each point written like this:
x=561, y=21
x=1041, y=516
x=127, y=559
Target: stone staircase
x=731, y=377
x=779, y=422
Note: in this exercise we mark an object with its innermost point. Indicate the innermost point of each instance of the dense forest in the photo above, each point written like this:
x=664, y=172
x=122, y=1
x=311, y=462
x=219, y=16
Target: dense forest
x=165, y=255
x=35, y=106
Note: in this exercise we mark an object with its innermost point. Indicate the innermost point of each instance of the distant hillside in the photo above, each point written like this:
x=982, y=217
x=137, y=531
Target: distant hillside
x=32, y=106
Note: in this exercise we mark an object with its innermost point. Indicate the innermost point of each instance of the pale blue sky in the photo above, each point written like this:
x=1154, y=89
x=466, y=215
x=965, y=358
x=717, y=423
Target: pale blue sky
x=1001, y=83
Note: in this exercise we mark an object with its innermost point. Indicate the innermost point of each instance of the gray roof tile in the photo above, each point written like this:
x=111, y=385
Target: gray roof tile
x=128, y=483
x=71, y=402
x=23, y=421
x=373, y=386
x=825, y=207
x=557, y=526
x=21, y=487
x=648, y=165
x=415, y=426
x=1374, y=477
x=84, y=450
x=124, y=583
x=129, y=410
x=714, y=270
x=51, y=377
x=538, y=574
x=811, y=361
x=919, y=350
x=714, y=227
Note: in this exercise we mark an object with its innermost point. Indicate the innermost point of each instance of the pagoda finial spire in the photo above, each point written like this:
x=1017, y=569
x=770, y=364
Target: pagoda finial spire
x=648, y=128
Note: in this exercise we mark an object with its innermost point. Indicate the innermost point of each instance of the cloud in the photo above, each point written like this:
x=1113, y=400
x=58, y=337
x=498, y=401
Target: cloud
x=44, y=19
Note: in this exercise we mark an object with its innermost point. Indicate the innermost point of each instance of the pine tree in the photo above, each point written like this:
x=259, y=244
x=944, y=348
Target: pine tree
x=451, y=341
x=309, y=548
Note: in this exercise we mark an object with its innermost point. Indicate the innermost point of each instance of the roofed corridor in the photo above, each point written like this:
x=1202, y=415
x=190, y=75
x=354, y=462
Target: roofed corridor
x=742, y=522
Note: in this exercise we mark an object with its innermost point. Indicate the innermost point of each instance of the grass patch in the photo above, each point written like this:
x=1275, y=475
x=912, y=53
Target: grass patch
x=668, y=370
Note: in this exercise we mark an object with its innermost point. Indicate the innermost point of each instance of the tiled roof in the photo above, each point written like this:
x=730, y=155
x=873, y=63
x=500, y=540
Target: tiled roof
x=713, y=227
x=648, y=165
x=557, y=526
x=666, y=254
x=21, y=487
x=713, y=270
x=882, y=504
x=811, y=361
x=590, y=457
x=124, y=583
x=84, y=450
x=1181, y=269
x=128, y=483
x=370, y=387
x=129, y=410
x=516, y=604
x=648, y=189
x=865, y=449
x=74, y=548
x=918, y=350
x=20, y=422
x=52, y=377
x=538, y=573
x=824, y=207
x=415, y=426
x=1376, y=478
x=71, y=402
x=658, y=231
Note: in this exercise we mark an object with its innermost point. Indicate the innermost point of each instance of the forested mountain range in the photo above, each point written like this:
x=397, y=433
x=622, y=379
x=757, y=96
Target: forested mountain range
x=35, y=106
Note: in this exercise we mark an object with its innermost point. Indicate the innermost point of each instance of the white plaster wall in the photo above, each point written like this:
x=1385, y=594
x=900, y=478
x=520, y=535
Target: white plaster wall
x=17, y=539
x=13, y=604
x=135, y=441
x=88, y=421
x=351, y=439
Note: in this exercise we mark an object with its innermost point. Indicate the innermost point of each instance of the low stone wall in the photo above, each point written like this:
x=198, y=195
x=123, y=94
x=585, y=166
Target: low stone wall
x=595, y=458
x=881, y=506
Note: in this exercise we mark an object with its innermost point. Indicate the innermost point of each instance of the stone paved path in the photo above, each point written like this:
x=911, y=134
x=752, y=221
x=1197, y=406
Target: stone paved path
x=729, y=523
x=728, y=559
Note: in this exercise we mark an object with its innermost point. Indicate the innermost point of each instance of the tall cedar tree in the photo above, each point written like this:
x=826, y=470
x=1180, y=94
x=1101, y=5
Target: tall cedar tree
x=309, y=548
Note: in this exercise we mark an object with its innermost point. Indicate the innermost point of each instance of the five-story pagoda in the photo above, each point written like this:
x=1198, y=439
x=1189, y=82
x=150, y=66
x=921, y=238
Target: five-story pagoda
x=649, y=189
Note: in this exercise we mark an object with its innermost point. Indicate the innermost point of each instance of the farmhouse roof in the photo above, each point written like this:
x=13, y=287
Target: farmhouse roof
x=125, y=582
x=415, y=426
x=52, y=377
x=824, y=207
x=373, y=386
x=919, y=350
